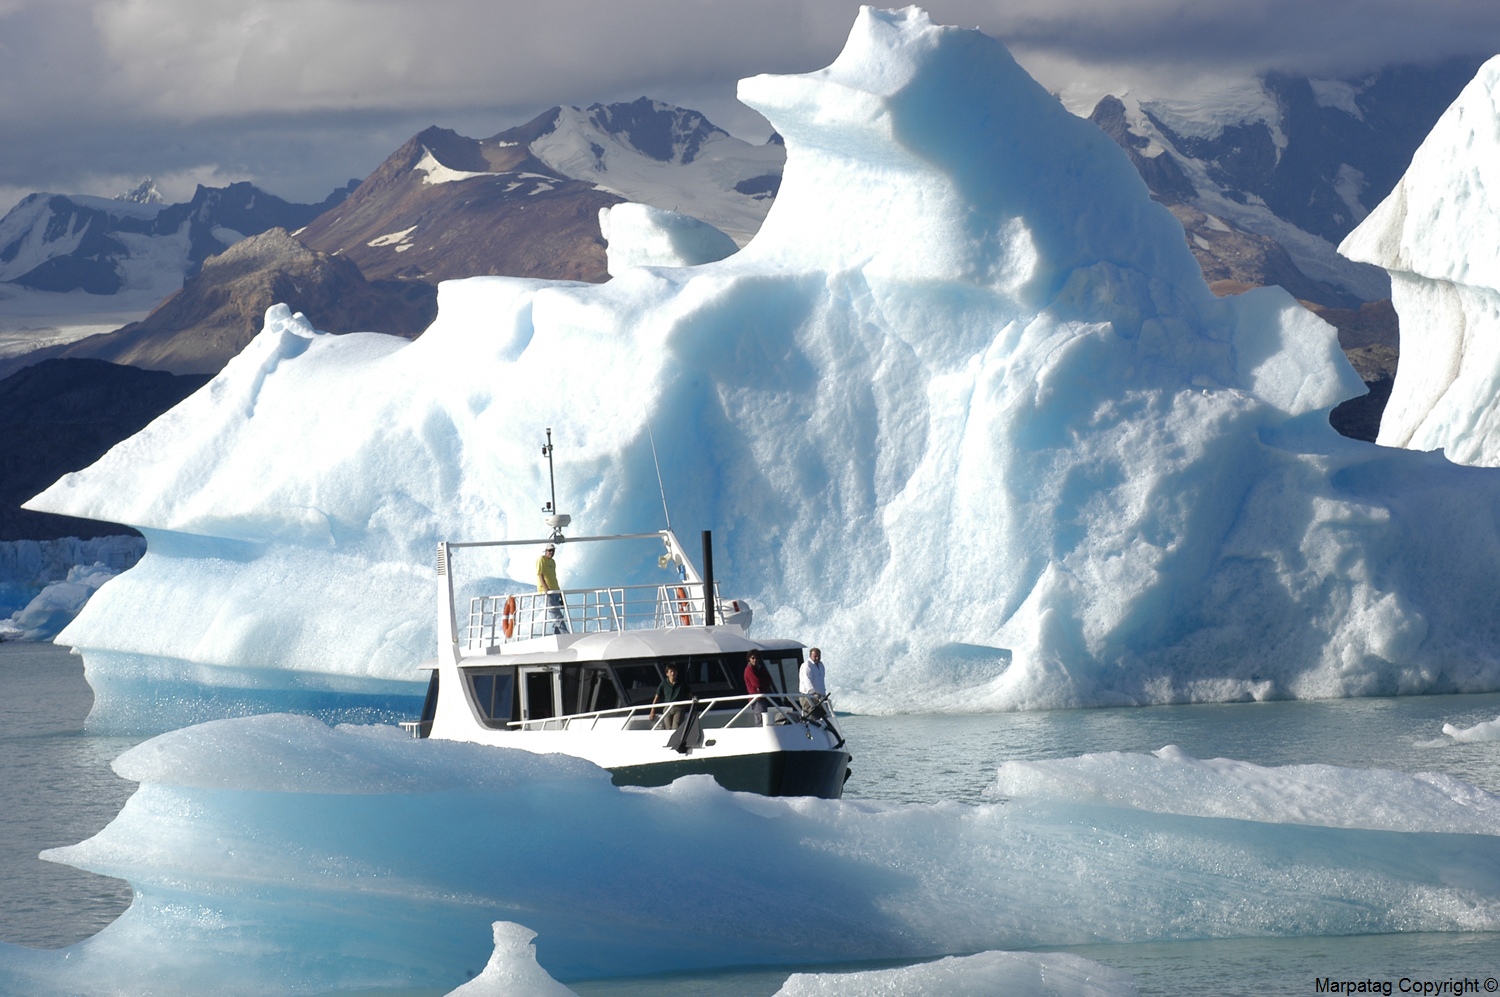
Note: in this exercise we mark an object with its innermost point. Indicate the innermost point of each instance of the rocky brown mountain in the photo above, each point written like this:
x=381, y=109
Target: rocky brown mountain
x=445, y=206
x=198, y=329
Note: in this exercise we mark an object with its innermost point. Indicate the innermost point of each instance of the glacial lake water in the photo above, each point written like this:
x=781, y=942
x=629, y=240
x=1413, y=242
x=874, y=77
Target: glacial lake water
x=57, y=789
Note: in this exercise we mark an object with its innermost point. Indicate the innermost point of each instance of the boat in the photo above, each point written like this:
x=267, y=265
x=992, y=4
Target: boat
x=576, y=674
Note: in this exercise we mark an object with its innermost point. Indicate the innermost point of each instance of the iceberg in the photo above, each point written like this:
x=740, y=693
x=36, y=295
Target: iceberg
x=963, y=413
x=275, y=854
x=1438, y=233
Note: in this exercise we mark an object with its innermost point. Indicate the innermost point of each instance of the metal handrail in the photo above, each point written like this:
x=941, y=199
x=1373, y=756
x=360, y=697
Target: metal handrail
x=783, y=705
x=497, y=619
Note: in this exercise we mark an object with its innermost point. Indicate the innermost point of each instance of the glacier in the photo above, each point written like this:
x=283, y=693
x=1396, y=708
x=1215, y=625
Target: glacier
x=1436, y=234
x=275, y=854
x=44, y=583
x=963, y=412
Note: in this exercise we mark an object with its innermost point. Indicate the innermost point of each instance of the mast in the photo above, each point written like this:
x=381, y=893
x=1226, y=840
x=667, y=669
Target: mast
x=556, y=520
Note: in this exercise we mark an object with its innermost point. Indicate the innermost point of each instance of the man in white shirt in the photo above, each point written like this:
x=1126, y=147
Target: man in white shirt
x=810, y=684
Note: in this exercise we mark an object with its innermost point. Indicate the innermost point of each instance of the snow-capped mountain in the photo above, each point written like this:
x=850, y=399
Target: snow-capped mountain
x=56, y=242
x=1294, y=160
x=525, y=202
x=144, y=192
x=445, y=206
x=72, y=265
x=665, y=156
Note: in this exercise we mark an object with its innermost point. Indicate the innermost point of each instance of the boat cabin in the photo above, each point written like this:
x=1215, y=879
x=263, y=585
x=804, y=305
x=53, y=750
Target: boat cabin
x=526, y=695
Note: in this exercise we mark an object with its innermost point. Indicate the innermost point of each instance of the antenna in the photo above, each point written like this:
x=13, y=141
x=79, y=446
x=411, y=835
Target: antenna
x=659, y=486
x=554, y=519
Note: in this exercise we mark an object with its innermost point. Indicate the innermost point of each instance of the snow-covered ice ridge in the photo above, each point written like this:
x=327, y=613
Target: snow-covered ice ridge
x=275, y=854
x=1438, y=233
x=963, y=412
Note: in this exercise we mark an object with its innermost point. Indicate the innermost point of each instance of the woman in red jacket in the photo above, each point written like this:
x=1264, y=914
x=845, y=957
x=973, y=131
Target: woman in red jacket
x=757, y=684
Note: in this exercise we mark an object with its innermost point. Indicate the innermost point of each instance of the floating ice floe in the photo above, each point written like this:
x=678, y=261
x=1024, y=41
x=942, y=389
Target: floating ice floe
x=1489, y=730
x=513, y=972
x=963, y=412
x=1172, y=781
x=1014, y=974
x=1438, y=233
x=274, y=854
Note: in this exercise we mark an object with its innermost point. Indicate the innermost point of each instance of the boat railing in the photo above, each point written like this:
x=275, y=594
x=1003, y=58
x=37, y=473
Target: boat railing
x=497, y=619
x=713, y=714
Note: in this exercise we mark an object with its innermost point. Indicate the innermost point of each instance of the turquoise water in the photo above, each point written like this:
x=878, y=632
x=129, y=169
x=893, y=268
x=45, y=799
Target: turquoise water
x=58, y=789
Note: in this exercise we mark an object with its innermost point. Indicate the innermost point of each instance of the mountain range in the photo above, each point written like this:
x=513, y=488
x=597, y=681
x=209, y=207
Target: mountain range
x=1293, y=160
x=525, y=202
x=61, y=243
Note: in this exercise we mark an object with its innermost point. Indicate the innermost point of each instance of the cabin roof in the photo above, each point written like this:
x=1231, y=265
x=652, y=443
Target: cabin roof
x=617, y=645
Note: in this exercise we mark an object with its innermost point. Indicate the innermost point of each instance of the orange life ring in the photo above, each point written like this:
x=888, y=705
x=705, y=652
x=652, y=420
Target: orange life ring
x=682, y=602
x=508, y=616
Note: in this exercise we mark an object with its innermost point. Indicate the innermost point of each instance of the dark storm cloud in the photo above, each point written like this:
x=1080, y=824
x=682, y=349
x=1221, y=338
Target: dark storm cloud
x=1315, y=37
x=302, y=94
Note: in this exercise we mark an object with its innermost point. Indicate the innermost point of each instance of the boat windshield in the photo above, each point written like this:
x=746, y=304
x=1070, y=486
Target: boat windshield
x=783, y=667
x=494, y=693
x=501, y=695
x=709, y=675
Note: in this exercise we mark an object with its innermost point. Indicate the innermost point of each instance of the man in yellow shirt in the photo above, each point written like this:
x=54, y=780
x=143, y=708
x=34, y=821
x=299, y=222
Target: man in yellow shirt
x=546, y=581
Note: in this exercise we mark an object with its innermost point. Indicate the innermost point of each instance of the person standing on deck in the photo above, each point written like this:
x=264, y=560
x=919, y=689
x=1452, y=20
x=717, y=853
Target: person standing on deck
x=810, y=684
x=757, y=683
x=673, y=689
x=546, y=581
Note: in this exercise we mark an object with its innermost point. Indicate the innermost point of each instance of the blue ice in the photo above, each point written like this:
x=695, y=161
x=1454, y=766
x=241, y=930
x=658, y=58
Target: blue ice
x=274, y=852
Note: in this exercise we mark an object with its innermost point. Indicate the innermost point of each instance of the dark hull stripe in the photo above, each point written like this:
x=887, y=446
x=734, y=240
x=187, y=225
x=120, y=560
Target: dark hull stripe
x=783, y=773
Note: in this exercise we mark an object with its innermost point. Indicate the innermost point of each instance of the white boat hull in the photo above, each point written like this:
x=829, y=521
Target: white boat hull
x=780, y=759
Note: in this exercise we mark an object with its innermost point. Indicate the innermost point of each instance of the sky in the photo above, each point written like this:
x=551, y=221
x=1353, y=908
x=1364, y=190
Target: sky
x=301, y=96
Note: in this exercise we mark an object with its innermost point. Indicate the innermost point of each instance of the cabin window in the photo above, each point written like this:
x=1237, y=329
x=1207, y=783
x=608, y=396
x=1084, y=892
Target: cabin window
x=639, y=681
x=783, y=667
x=571, y=690
x=596, y=691
x=493, y=694
x=706, y=674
